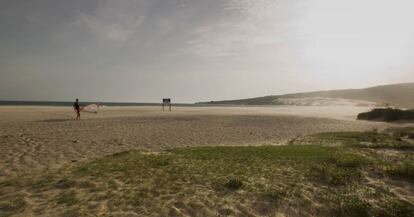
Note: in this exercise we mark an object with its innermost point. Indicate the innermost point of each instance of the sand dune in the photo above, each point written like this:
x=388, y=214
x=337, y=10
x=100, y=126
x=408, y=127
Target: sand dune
x=399, y=95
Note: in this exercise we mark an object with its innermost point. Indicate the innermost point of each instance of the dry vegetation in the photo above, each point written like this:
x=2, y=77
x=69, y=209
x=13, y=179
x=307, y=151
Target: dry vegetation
x=329, y=174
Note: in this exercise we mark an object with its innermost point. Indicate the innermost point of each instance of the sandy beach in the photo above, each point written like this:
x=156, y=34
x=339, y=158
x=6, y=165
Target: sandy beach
x=53, y=165
x=41, y=138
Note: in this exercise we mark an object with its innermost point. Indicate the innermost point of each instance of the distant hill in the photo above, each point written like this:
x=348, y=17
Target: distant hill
x=399, y=95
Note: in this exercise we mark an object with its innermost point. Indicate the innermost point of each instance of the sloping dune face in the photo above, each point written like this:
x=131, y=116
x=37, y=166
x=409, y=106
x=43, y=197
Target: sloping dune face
x=324, y=101
x=399, y=95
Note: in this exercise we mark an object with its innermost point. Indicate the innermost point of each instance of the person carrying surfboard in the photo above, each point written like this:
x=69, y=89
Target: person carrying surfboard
x=76, y=107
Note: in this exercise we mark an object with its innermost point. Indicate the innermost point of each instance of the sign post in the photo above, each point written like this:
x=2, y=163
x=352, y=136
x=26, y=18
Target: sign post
x=165, y=102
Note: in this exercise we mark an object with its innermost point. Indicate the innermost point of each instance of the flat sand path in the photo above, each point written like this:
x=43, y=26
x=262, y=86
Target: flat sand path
x=33, y=139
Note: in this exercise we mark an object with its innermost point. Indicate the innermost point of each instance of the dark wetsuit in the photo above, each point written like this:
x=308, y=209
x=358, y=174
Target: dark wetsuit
x=77, y=109
x=76, y=106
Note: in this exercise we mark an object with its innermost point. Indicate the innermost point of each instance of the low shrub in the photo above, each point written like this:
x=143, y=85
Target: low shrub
x=387, y=114
x=352, y=206
x=396, y=208
x=404, y=170
x=233, y=184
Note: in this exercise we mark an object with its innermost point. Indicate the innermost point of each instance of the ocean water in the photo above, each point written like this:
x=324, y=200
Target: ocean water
x=63, y=103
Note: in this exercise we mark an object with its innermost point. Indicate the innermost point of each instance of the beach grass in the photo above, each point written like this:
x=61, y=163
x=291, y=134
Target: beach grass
x=393, y=138
x=297, y=180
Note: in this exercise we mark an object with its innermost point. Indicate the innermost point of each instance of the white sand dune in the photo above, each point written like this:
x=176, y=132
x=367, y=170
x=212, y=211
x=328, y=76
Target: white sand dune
x=325, y=101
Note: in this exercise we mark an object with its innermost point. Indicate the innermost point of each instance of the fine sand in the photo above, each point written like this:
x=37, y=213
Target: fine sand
x=34, y=139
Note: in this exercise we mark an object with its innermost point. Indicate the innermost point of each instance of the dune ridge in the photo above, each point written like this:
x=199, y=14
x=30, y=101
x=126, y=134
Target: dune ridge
x=400, y=95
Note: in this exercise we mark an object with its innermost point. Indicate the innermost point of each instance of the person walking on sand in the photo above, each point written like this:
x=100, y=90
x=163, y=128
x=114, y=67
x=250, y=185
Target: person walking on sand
x=76, y=107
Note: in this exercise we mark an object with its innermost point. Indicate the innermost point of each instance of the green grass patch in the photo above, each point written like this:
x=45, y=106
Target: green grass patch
x=402, y=132
x=352, y=206
x=67, y=198
x=258, y=171
x=71, y=213
x=334, y=176
x=65, y=183
x=403, y=170
x=374, y=140
x=11, y=206
x=275, y=196
x=263, y=178
x=396, y=208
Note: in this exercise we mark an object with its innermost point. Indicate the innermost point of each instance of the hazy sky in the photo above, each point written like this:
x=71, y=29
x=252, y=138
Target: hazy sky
x=197, y=50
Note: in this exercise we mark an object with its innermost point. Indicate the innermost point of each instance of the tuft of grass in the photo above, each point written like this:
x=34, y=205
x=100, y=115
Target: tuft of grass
x=65, y=183
x=12, y=206
x=374, y=140
x=404, y=170
x=139, y=197
x=352, y=206
x=338, y=170
x=333, y=175
x=396, y=208
x=233, y=184
x=67, y=198
x=402, y=132
x=8, y=183
x=274, y=196
x=41, y=183
x=224, y=212
x=71, y=213
x=349, y=160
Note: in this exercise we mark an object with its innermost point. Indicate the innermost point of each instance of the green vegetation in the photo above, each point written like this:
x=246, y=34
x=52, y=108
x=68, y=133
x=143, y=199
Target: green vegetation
x=407, y=132
x=260, y=180
x=387, y=114
x=10, y=206
x=351, y=205
x=67, y=198
x=390, y=139
x=399, y=208
x=404, y=170
x=233, y=184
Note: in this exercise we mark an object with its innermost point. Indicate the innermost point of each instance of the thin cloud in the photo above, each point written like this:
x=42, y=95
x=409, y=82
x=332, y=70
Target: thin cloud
x=129, y=50
x=116, y=31
x=246, y=28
